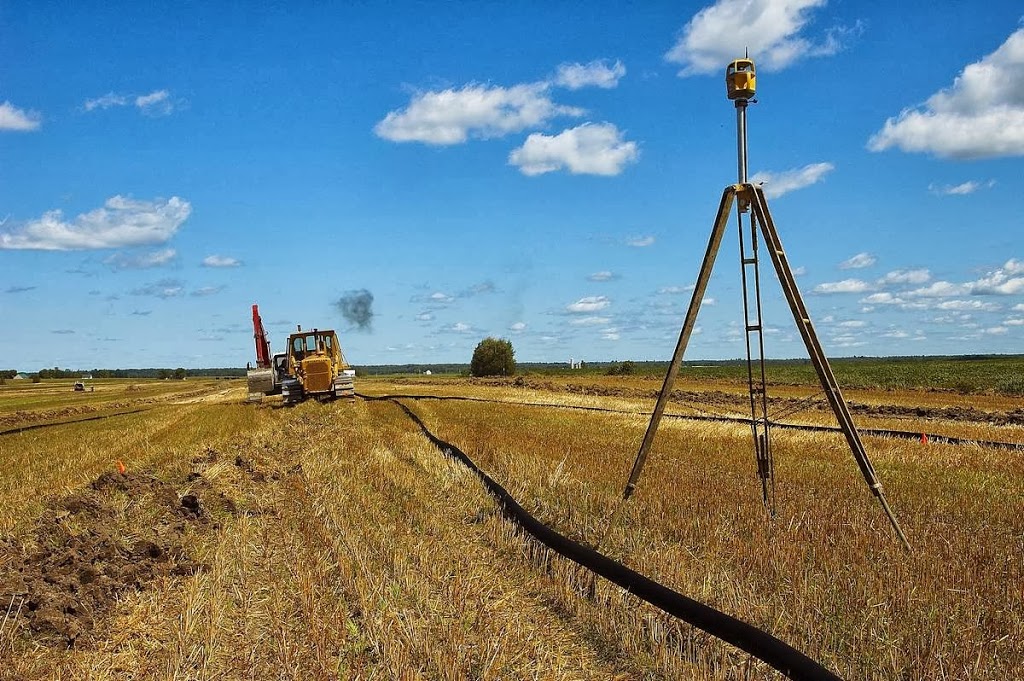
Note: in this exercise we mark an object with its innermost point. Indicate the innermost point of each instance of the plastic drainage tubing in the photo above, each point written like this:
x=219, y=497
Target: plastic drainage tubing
x=746, y=637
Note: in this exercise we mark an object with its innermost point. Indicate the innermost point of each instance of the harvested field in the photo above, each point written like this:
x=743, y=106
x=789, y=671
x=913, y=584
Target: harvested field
x=335, y=541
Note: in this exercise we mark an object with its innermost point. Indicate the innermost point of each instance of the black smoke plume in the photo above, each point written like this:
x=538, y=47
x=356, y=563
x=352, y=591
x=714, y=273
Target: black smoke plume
x=357, y=307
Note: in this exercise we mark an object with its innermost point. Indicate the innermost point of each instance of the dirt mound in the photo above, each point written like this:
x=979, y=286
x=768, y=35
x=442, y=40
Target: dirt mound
x=119, y=534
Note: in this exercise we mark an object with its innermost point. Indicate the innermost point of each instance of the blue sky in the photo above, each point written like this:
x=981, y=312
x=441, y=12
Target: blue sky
x=544, y=172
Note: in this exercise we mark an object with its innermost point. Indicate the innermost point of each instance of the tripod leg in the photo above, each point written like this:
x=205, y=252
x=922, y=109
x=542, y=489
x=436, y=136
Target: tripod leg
x=821, y=365
x=684, y=336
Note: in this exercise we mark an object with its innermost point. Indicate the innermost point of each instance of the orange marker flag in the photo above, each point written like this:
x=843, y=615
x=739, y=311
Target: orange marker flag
x=120, y=467
x=924, y=438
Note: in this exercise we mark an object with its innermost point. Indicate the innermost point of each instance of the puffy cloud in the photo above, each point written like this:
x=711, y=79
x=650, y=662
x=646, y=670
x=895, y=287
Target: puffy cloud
x=938, y=289
x=853, y=324
x=1000, y=281
x=882, y=299
x=220, y=261
x=674, y=290
x=598, y=73
x=980, y=116
x=961, y=189
x=844, y=286
x=778, y=183
x=771, y=29
x=589, y=149
x=858, y=261
x=17, y=120
x=425, y=317
x=140, y=261
x=589, y=304
x=919, y=276
x=459, y=327
x=517, y=327
x=453, y=116
x=121, y=222
x=603, y=275
x=440, y=298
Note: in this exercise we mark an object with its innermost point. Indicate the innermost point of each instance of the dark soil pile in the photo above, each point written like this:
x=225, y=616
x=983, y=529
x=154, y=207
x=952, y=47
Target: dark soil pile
x=119, y=534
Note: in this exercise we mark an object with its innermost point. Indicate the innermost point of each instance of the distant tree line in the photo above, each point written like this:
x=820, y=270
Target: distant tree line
x=179, y=373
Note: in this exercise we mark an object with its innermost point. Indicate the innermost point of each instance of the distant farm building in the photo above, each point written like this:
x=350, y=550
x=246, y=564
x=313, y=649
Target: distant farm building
x=20, y=377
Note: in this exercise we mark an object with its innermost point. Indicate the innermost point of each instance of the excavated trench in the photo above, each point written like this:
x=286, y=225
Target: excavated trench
x=87, y=550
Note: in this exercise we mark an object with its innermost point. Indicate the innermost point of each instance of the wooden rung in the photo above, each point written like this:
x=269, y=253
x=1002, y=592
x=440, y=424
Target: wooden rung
x=753, y=327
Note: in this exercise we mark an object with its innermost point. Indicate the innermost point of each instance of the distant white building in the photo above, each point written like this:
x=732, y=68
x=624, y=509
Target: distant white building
x=20, y=377
x=428, y=372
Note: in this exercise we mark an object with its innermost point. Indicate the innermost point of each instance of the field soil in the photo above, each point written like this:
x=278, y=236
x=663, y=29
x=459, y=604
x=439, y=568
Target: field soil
x=204, y=538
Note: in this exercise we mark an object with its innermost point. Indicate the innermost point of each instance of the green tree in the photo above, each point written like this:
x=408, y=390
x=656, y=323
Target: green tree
x=163, y=374
x=493, y=357
x=180, y=374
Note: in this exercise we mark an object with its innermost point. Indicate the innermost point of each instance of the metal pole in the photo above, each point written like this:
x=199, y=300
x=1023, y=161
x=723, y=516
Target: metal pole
x=741, y=138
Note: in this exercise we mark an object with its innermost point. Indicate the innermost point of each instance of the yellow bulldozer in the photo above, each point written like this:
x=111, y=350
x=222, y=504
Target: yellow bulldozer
x=316, y=367
x=313, y=365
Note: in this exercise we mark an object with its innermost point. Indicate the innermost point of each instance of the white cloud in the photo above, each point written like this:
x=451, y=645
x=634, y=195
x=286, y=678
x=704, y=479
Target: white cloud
x=895, y=333
x=590, y=321
x=1013, y=321
x=517, y=327
x=799, y=271
x=853, y=324
x=480, y=111
x=996, y=330
x=140, y=261
x=858, y=261
x=1014, y=266
x=424, y=317
x=589, y=304
x=961, y=189
x=17, y=120
x=965, y=305
x=598, y=73
x=589, y=149
x=603, y=275
x=156, y=103
x=107, y=101
x=1019, y=307
x=882, y=299
x=980, y=116
x=919, y=276
x=441, y=298
x=220, y=261
x=938, y=289
x=771, y=29
x=610, y=335
x=844, y=286
x=460, y=327
x=777, y=184
x=674, y=290
x=207, y=291
x=121, y=222
x=641, y=241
